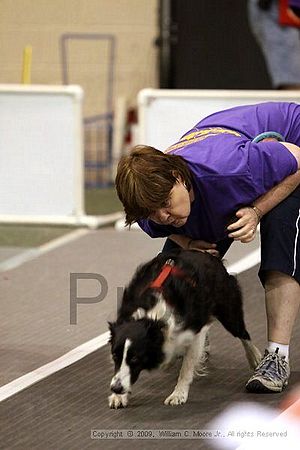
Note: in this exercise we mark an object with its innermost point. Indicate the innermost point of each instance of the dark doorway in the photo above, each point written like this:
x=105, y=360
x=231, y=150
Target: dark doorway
x=208, y=45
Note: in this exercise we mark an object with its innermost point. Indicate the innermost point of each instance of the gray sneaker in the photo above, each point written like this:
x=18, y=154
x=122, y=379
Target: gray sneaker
x=271, y=375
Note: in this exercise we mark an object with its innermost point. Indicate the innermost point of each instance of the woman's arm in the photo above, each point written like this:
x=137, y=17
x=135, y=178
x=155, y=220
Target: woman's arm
x=294, y=149
x=248, y=217
x=278, y=193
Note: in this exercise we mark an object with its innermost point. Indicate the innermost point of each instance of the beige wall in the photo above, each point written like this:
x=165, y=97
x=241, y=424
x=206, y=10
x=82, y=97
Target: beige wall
x=40, y=23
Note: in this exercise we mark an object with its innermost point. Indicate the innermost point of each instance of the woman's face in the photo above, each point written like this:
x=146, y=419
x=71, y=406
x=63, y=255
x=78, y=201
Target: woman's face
x=177, y=209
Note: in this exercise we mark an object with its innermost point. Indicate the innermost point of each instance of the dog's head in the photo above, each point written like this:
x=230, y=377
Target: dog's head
x=135, y=345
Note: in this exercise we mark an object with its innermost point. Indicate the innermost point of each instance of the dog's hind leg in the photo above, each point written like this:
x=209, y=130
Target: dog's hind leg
x=191, y=358
x=238, y=330
x=253, y=355
x=200, y=368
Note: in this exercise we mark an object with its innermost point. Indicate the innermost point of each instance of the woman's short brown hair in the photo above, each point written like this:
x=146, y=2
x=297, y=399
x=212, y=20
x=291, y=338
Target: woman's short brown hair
x=145, y=178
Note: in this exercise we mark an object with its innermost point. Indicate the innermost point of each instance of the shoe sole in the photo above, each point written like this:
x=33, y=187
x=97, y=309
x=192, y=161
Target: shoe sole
x=256, y=387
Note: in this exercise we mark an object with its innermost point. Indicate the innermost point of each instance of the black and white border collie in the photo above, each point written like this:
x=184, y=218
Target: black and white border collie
x=166, y=311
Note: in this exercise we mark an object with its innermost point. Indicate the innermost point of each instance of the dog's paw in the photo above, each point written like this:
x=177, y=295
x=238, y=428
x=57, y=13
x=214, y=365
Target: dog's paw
x=253, y=354
x=117, y=401
x=256, y=359
x=178, y=397
x=201, y=370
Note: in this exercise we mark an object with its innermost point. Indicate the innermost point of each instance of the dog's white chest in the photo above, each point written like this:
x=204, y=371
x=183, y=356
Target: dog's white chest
x=177, y=342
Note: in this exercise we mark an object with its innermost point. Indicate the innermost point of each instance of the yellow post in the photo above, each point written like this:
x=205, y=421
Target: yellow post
x=26, y=72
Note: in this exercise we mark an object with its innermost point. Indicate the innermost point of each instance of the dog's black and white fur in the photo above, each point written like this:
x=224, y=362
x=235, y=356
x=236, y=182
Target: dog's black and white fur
x=155, y=325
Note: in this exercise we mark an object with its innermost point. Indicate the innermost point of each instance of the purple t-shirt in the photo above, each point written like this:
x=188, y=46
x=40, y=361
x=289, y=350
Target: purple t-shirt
x=294, y=3
x=229, y=170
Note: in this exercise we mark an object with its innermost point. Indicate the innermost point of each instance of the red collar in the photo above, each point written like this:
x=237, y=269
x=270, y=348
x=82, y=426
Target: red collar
x=169, y=268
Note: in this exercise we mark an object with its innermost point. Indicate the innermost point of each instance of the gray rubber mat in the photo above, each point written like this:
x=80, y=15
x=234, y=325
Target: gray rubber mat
x=35, y=297
x=60, y=411
x=10, y=252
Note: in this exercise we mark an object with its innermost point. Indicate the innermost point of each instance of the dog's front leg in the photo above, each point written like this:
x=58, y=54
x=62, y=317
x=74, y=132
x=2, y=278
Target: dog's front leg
x=180, y=394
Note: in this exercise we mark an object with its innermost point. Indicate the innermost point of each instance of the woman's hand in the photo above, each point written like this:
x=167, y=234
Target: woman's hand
x=244, y=228
x=202, y=246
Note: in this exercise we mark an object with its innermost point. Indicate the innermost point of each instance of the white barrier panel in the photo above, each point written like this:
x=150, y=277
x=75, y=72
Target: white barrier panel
x=166, y=114
x=41, y=155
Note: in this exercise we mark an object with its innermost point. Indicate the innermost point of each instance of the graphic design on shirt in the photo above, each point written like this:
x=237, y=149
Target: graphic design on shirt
x=200, y=135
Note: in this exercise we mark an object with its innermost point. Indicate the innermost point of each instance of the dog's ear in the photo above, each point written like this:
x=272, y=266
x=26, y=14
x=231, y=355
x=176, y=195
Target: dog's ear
x=160, y=324
x=154, y=328
x=111, y=326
